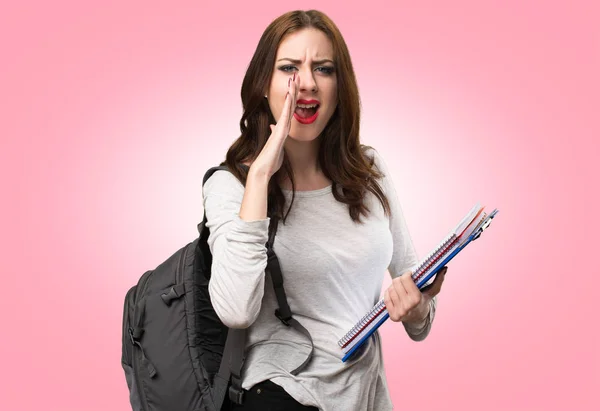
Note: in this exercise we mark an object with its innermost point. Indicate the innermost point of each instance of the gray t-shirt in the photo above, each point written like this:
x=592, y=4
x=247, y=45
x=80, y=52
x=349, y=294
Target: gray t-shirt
x=333, y=270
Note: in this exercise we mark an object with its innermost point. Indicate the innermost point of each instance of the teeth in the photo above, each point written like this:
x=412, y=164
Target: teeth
x=307, y=105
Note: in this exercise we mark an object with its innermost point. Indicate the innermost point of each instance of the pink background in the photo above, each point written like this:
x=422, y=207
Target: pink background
x=111, y=113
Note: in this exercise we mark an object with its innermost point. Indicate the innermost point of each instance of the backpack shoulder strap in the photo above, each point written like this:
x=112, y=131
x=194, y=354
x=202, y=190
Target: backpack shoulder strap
x=284, y=313
x=236, y=338
x=211, y=171
x=204, y=233
x=234, y=350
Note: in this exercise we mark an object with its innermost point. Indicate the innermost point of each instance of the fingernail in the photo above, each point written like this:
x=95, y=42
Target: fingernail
x=289, y=81
x=294, y=76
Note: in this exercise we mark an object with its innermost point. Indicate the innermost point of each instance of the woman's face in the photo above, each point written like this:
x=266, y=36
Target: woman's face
x=309, y=54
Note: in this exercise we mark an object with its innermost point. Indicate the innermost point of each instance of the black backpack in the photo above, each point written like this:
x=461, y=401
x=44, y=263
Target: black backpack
x=177, y=354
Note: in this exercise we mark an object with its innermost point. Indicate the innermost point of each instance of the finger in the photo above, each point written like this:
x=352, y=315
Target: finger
x=296, y=82
x=389, y=304
x=397, y=303
x=437, y=283
x=413, y=294
x=409, y=283
x=441, y=272
x=395, y=295
x=284, y=118
x=404, y=280
x=439, y=278
x=293, y=91
x=435, y=287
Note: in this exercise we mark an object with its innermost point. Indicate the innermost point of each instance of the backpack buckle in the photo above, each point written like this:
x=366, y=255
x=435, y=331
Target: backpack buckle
x=236, y=395
x=284, y=319
x=176, y=291
x=135, y=334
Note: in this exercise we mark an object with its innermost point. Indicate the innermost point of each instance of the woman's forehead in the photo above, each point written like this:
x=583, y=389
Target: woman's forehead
x=304, y=44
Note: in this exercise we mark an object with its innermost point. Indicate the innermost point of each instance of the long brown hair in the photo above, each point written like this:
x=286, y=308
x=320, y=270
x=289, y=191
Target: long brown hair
x=341, y=156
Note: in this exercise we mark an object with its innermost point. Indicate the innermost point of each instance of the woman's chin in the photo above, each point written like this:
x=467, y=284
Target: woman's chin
x=303, y=136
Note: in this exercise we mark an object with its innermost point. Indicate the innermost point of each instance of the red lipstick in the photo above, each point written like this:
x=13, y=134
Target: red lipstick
x=311, y=119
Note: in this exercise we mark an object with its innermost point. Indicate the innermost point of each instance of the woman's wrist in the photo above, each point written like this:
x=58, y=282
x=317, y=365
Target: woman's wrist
x=254, y=203
x=420, y=314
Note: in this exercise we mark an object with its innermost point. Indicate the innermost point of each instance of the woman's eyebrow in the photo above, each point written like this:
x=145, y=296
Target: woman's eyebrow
x=314, y=61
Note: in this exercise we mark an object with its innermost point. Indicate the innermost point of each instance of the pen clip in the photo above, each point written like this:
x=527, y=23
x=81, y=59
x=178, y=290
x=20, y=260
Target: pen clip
x=486, y=223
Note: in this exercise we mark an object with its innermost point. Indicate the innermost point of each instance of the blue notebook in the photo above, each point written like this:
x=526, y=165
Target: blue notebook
x=467, y=230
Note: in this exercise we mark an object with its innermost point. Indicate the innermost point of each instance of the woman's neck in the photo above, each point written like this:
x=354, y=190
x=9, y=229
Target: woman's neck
x=303, y=158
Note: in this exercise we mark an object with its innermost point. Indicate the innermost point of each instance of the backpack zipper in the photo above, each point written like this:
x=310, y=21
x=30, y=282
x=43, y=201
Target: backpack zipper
x=127, y=325
x=142, y=394
x=180, y=267
x=141, y=289
x=143, y=283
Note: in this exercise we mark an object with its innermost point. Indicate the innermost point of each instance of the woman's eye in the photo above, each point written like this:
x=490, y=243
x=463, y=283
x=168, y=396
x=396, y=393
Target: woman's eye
x=326, y=70
x=322, y=69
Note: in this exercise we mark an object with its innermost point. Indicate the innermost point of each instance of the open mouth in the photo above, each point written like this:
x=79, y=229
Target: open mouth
x=306, y=113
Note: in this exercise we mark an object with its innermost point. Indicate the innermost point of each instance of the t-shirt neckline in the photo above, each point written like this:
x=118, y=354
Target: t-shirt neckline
x=309, y=193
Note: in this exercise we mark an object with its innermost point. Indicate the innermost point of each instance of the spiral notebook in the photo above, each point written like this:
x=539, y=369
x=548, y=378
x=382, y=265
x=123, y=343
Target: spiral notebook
x=467, y=230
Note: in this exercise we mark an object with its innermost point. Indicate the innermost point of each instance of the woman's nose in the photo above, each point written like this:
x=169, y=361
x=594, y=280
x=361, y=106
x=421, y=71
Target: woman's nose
x=307, y=80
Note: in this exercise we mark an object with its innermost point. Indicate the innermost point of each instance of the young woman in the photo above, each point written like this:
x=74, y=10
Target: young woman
x=341, y=227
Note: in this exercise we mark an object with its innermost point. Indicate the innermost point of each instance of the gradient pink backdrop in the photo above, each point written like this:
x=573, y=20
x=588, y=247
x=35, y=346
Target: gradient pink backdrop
x=111, y=113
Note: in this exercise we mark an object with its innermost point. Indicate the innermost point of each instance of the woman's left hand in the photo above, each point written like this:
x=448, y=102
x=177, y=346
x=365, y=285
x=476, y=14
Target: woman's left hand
x=405, y=302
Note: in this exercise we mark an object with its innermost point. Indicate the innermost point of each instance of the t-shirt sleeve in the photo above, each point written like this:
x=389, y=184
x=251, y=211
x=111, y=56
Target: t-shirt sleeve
x=239, y=252
x=404, y=257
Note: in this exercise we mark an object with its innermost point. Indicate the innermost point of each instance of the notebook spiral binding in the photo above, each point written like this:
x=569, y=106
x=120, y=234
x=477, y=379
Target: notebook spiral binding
x=430, y=260
x=434, y=256
x=362, y=323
